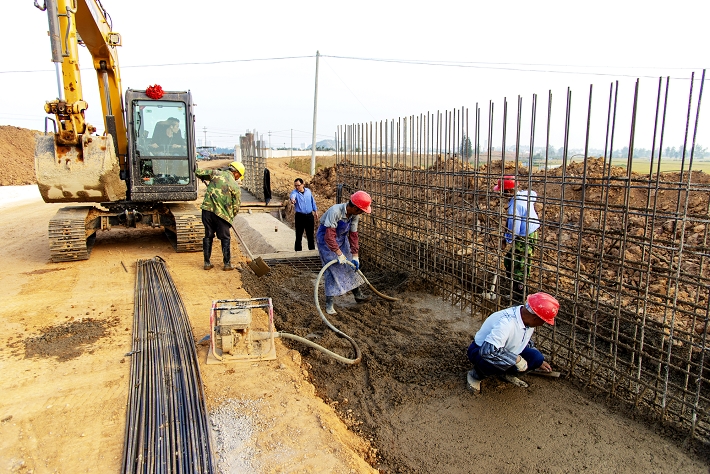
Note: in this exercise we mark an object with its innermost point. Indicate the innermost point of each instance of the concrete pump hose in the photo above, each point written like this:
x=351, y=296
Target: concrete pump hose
x=312, y=344
x=374, y=290
x=337, y=331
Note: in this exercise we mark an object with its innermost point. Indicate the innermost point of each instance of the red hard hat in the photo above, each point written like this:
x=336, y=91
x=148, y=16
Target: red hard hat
x=543, y=306
x=362, y=200
x=508, y=183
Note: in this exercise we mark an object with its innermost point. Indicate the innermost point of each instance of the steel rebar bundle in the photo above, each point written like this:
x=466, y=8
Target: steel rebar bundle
x=166, y=420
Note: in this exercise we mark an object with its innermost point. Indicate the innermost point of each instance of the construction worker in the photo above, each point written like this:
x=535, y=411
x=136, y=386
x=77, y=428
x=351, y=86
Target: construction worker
x=521, y=234
x=221, y=204
x=306, y=214
x=503, y=347
x=338, y=239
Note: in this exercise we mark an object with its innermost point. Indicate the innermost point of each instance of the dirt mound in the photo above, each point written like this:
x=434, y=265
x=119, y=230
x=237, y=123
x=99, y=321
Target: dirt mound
x=17, y=156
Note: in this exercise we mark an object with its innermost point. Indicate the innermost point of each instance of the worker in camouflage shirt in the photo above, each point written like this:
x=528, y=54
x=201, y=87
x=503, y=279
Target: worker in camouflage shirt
x=222, y=201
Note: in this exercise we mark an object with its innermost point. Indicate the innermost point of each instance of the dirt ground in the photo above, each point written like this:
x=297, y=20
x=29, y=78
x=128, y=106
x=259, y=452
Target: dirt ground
x=405, y=408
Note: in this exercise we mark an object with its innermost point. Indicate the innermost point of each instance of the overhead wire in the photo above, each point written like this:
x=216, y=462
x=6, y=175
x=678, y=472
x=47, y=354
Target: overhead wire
x=350, y=90
x=521, y=67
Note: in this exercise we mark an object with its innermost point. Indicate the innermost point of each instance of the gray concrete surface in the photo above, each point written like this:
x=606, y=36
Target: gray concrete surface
x=264, y=234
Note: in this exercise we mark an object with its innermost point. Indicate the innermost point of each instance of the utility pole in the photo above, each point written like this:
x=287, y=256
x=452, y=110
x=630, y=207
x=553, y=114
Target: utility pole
x=315, y=116
x=205, y=129
x=291, y=145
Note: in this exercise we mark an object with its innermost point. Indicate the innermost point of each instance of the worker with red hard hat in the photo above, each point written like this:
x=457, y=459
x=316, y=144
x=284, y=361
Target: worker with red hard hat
x=503, y=346
x=337, y=238
x=522, y=224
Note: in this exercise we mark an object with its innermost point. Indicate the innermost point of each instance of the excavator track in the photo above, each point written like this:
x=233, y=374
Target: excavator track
x=189, y=228
x=67, y=235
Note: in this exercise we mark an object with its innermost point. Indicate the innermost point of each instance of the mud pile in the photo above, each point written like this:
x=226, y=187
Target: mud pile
x=17, y=156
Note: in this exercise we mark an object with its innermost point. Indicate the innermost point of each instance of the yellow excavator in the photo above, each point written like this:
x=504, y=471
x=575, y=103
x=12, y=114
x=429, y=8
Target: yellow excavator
x=139, y=173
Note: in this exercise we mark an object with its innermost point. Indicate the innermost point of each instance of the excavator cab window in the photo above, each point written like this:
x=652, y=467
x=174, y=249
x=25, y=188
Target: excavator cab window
x=161, y=142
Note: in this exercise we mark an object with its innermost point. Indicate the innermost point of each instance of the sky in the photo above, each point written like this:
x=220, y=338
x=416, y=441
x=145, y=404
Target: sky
x=379, y=60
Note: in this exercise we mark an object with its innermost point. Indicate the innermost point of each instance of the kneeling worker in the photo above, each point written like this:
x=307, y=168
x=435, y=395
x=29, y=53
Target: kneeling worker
x=223, y=198
x=503, y=347
x=338, y=239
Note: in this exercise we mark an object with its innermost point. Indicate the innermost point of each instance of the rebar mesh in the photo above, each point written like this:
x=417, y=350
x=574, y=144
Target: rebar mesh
x=626, y=253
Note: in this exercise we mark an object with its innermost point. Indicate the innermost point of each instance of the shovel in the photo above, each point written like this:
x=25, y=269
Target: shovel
x=258, y=265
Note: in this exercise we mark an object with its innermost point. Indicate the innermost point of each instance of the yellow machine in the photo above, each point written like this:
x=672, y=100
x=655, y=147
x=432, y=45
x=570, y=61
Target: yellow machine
x=140, y=170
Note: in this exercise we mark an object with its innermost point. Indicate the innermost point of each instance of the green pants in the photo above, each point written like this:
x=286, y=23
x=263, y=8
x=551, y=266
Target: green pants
x=517, y=260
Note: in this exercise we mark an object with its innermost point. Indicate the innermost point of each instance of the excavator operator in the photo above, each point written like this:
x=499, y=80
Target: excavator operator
x=167, y=138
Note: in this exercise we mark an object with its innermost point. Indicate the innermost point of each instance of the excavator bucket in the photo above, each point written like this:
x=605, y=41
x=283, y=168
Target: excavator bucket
x=86, y=173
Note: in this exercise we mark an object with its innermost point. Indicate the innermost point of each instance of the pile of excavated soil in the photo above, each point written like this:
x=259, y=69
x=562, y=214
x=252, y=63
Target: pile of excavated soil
x=17, y=156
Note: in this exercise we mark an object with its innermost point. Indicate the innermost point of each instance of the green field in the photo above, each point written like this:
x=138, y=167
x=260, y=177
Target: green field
x=641, y=166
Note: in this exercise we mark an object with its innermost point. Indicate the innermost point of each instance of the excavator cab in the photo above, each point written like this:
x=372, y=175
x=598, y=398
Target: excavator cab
x=161, y=144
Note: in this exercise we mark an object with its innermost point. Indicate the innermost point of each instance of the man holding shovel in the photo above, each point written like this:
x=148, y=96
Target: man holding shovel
x=223, y=198
x=522, y=224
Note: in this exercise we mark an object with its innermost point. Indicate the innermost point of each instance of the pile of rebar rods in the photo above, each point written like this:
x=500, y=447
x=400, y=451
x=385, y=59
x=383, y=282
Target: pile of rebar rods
x=166, y=421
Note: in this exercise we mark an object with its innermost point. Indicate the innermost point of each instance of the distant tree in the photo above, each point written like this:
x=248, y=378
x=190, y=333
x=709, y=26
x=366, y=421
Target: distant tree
x=466, y=149
x=700, y=151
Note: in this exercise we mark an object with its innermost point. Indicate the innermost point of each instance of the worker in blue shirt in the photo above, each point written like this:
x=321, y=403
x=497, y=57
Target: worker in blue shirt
x=306, y=214
x=503, y=346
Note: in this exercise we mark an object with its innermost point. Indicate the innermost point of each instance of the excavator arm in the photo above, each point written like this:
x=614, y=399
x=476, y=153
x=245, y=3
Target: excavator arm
x=84, y=22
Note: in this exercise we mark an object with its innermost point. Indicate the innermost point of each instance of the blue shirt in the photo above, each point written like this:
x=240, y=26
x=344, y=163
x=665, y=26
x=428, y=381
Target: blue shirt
x=305, y=204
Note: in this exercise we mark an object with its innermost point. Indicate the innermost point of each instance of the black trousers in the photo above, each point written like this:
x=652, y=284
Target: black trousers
x=304, y=222
x=215, y=225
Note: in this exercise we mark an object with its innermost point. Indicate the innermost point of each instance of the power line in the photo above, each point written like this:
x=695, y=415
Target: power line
x=521, y=67
x=193, y=63
x=348, y=88
x=476, y=65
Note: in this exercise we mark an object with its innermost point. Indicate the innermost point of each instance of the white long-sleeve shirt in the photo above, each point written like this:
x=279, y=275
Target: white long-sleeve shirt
x=503, y=336
x=522, y=217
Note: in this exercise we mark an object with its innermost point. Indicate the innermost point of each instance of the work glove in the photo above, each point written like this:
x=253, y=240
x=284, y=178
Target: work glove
x=356, y=262
x=342, y=259
x=521, y=365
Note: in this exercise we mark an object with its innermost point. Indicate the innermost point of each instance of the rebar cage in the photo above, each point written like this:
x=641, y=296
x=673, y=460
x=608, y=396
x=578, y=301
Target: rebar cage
x=623, y=242
x=254, y=163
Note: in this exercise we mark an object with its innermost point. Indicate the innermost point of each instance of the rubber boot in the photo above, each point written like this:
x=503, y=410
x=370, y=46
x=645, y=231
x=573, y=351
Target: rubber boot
x=227, y=255
x=207, y=251
x=360, y=296
x=329, y=305
x=473, y=380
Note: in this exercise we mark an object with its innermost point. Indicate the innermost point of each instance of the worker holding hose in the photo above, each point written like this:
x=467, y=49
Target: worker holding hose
x=338, y=239
x=223, y=198
x=503, y=346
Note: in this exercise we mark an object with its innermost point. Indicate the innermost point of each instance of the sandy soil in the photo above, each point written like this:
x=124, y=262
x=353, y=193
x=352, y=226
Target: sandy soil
x=403, y=409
